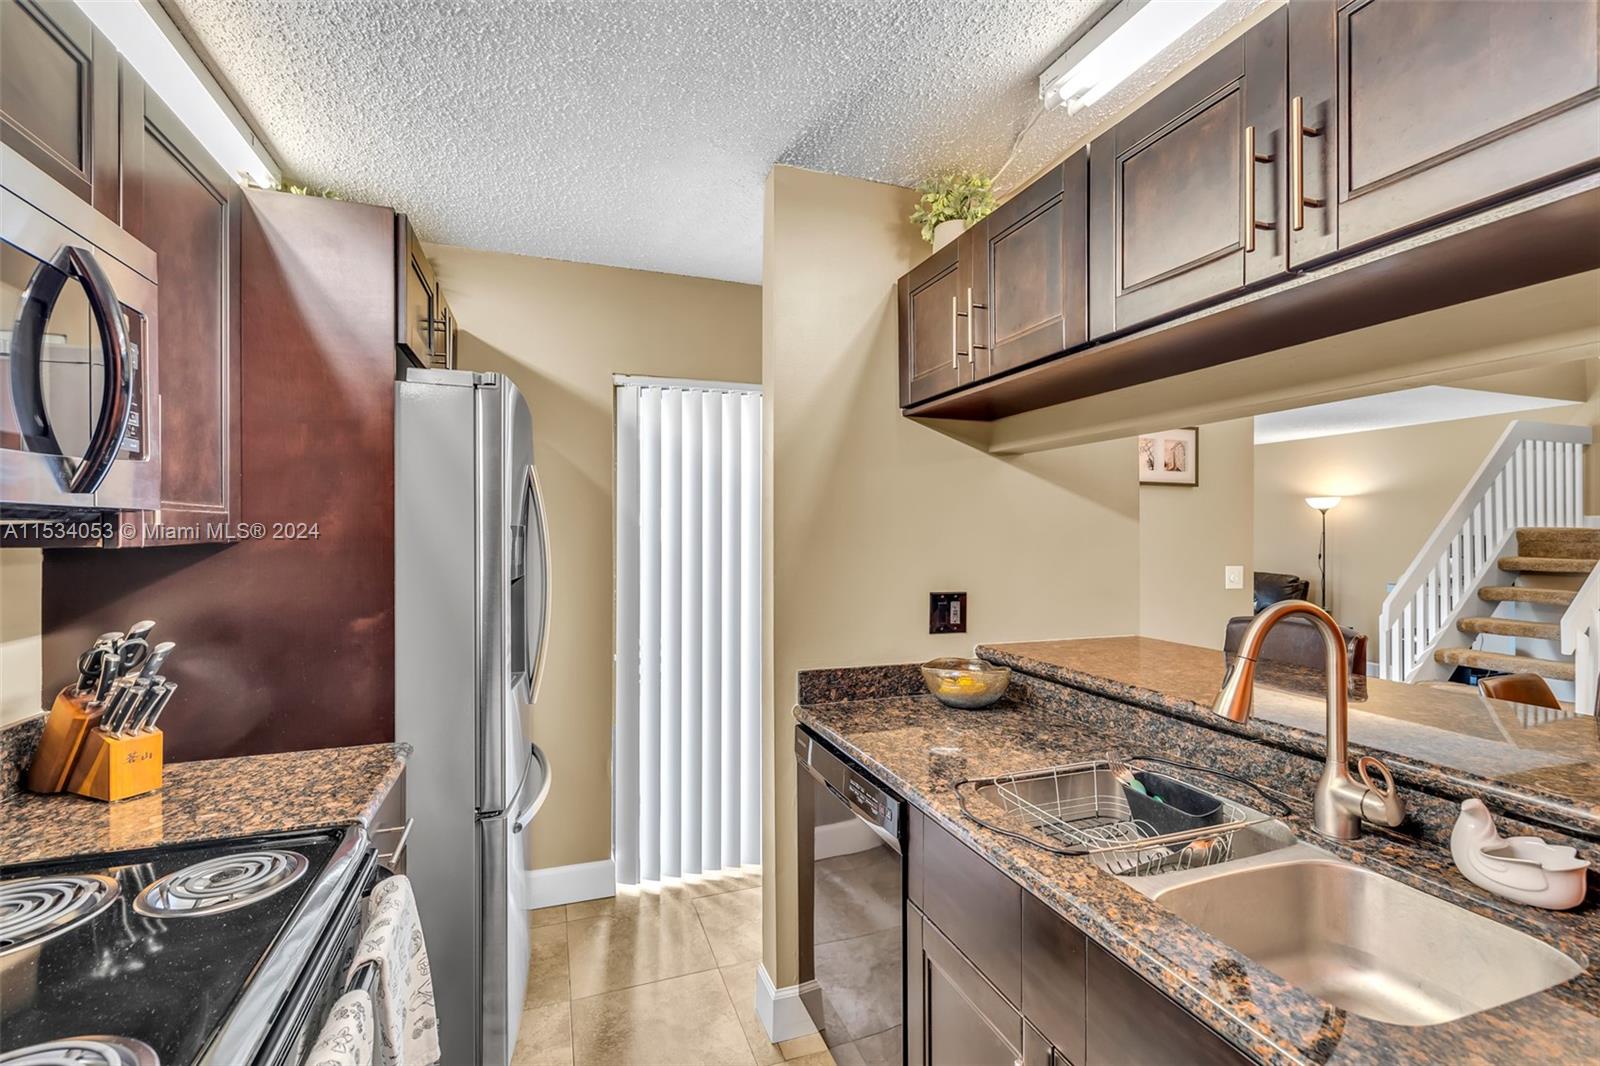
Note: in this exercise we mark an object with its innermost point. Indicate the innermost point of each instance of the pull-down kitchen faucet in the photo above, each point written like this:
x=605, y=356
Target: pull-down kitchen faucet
x=1342, y=802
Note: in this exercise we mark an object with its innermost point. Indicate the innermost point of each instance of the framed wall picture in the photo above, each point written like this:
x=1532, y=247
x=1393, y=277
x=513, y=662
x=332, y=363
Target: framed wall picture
x=1171, y=457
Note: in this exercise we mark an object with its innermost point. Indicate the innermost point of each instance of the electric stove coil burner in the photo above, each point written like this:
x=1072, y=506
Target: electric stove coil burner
x=85, y=1051
x=34, y=909
x=222, y=884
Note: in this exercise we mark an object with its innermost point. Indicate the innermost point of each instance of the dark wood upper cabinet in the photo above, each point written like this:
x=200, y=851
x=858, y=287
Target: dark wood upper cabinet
x=1414, y=112
x=186, y=209
x=1183, y=204
x=424, y=327
x=934, y=346
x=58, y=98
x=1030, y=280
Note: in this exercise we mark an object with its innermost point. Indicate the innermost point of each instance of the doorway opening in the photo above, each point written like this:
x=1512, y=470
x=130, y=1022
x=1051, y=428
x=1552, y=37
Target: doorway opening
x=686, y=765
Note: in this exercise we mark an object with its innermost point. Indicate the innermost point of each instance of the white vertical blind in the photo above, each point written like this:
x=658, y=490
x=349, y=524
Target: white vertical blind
x=687, y=765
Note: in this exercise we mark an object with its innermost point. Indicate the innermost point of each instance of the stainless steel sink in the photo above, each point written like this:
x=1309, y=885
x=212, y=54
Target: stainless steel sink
x=1362, y=941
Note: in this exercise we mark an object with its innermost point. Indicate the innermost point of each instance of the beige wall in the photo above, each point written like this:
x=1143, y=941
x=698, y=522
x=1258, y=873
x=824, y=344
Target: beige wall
x=21, y=571
x=869, y=511
x=560, y=331
x=1397, y=484
x=1187, y=535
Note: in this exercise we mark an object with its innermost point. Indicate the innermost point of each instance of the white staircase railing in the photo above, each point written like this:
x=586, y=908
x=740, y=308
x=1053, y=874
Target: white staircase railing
x=1532, y=477
x=1580, y=638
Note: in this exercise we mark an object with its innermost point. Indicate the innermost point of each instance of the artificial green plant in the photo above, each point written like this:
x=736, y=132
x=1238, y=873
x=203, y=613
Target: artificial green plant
x=959, y=195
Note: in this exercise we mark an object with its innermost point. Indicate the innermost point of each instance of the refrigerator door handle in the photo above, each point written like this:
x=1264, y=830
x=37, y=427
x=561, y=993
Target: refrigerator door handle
x=536, y=652
x=531, y=808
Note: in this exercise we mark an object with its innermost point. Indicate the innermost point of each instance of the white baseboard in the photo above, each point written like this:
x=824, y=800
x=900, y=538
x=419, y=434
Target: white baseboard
x=781, y=1011
x=571, y=884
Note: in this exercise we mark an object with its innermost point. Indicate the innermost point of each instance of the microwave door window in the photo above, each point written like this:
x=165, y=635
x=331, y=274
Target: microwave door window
x=70, y=367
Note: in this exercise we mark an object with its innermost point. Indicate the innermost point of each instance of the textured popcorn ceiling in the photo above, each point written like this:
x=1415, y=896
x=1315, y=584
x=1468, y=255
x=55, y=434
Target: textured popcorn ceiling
x=639, y=134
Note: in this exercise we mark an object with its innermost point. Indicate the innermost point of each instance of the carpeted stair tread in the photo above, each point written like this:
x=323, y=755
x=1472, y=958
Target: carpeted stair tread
x=1511, y=627
x=1519, y=594
x=1546, y=564
x=1511, y=664
x=1558, y=542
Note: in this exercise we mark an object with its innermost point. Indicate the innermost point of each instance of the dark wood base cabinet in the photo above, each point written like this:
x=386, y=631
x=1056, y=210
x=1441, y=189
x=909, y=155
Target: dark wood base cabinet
x=994, y=977
x=1341, y=164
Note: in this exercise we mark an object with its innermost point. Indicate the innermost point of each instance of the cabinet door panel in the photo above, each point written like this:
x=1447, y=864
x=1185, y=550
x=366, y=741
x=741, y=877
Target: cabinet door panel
x=1424, y=110
x=58, y=97
x=967, y=1021
x=1032, y=274
x=1180, y=200
x=1053, y=953
x=932, y=331
x=188, y=213
x=1176, y=206
x=416, y=296
x=978, y=908
x=1132, y=1023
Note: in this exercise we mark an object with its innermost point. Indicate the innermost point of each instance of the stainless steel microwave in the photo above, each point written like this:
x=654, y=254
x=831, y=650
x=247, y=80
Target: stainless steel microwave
x=79, y=400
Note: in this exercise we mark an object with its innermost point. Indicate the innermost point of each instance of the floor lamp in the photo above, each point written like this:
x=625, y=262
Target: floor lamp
x=1323, y=504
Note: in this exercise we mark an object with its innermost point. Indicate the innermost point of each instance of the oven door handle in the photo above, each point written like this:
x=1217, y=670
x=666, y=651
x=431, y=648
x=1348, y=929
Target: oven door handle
x=27, y=366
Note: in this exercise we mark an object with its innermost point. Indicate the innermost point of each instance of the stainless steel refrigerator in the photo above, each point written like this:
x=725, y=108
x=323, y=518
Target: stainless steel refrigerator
x=472, y=588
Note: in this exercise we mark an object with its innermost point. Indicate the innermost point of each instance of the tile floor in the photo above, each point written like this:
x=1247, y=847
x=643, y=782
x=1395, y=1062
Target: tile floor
x=654, y=977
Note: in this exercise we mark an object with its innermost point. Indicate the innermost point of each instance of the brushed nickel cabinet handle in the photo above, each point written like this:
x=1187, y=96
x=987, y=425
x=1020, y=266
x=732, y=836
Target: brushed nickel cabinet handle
x=1251, y=158
x=1298, y=132
x=972, y=353
x=955, y=354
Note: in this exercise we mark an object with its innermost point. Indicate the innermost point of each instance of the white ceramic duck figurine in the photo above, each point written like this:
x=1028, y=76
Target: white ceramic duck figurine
x=1524, y=869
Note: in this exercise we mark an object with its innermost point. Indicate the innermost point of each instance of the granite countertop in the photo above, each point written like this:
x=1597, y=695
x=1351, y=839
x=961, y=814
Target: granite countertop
x=207, y=800
x=920, y=748
x=1542, y=767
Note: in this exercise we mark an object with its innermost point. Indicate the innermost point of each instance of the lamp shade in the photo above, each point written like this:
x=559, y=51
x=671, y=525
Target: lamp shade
x=1323, y=503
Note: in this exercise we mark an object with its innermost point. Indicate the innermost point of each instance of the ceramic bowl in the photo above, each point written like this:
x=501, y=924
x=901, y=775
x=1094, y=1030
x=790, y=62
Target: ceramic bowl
x=966, y=683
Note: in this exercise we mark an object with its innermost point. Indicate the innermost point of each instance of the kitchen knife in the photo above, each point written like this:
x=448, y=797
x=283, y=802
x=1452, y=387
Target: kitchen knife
x=138, y=693
x=110, y=670
x=141, y=630
x=161, y=704
x=116, y=704
x=139, y=716
x=158, y=655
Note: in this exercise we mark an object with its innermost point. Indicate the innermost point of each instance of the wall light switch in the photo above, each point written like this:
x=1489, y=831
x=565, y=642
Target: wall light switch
x=1233, y=577
x=947, y=612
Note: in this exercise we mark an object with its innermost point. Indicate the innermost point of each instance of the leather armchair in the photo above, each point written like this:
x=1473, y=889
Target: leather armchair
x=1271, y=587
x=1291, y=656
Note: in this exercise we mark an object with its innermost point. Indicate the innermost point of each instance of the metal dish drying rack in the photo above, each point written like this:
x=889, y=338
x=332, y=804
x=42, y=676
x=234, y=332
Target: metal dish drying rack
x=1093, y=809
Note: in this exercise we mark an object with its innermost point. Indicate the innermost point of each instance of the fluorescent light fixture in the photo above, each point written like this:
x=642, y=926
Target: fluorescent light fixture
x=1323, y=503
x=1125, y=39
x=134, y=31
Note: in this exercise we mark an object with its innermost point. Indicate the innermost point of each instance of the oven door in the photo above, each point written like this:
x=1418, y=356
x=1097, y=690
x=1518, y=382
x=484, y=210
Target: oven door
x=852, y=906
x=77, y=363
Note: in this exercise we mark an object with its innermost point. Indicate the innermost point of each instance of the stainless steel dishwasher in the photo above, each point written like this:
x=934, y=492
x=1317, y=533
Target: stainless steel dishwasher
x=852, y=905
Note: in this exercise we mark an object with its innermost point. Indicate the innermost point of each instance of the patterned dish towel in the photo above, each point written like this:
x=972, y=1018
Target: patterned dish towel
x=408, y=1025
x=346, y=1037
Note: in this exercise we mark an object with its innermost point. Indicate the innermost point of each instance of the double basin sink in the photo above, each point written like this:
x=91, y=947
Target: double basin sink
x=1362, y=941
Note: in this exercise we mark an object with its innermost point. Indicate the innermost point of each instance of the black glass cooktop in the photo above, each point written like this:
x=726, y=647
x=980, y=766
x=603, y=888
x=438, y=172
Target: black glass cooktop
x=163, y=964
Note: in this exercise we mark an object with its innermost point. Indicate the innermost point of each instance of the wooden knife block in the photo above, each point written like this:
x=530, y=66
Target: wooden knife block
x=70, y=721
x=112, y=768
